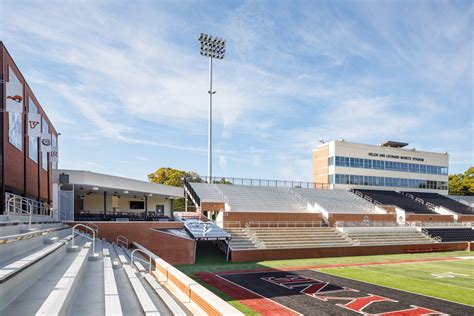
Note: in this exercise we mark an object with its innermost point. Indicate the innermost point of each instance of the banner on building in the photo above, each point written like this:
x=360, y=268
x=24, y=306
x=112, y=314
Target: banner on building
x=46, y=142
x=34, y=124
x=14, y=97
x=53, y=155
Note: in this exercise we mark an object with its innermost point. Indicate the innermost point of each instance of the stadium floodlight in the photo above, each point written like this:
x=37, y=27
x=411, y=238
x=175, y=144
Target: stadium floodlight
x=211, y=47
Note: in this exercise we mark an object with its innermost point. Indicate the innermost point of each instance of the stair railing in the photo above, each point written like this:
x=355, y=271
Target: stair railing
x=84, y=235
x=94, y=226
x=140, y=259
x=122, y=239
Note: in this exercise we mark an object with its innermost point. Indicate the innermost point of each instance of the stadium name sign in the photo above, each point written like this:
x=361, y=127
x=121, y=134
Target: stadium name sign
x=395, y=157
x=325, y=291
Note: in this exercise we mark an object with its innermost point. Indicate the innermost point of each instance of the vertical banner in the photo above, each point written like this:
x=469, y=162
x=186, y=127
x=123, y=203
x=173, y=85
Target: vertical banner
x=53, y=155
x=34, y=124
x=14, y=97
x=45, y=143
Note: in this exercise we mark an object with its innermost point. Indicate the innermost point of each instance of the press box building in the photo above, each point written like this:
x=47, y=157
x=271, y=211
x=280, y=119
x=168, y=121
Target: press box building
x=388, y=166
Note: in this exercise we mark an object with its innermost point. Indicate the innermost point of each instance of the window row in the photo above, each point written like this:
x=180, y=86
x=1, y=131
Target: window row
x=387, y=182
x=386, y=165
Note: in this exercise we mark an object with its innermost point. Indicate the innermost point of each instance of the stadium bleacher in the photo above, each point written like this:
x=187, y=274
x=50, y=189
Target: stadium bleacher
x=444, y=201
x=336, y=201
x=395, y=198
x=243, y=198
x=41, y=274
x=465, y=199
x=452, y=234
x=387, y=236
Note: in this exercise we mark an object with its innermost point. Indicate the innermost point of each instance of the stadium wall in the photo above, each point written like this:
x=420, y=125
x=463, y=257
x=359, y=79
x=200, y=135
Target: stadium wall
x=466, y=218
x=335, y=217
x=245, y=217
x=301, y=253
x=173, y=249
x=428, y=218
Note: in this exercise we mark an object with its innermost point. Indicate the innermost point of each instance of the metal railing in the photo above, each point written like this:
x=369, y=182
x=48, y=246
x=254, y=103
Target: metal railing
x=261, y=182
x=140, y=259
x=367, y=224
x=84, y=235
x=122, y=239
x=231, y=224
x=93, y=226
x=276, y=224
x=20, y=205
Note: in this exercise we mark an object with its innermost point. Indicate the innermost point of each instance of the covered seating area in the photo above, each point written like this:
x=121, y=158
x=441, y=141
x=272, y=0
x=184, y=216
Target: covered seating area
x=89, y=196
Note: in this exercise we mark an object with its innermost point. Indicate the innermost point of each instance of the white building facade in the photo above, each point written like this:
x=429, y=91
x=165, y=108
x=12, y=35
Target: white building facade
x=388, y=166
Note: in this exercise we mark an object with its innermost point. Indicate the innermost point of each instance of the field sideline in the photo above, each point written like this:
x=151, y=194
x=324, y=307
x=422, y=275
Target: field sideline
x=414, y=277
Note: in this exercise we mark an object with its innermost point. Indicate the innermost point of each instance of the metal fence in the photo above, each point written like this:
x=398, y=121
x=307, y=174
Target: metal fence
x=261, y=182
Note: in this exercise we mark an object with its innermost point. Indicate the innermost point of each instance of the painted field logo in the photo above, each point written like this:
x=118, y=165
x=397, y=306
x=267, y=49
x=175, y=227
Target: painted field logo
x=326, y=292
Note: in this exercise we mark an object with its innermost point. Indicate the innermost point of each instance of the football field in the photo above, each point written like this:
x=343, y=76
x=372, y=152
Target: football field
x=404, y=284
x=451, y=280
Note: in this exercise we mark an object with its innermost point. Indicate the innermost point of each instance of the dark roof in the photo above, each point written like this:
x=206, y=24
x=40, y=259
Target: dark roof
x=391, y=143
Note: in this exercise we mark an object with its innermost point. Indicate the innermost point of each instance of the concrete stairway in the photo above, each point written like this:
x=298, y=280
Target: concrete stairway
x=49, y=277
x=240, y=239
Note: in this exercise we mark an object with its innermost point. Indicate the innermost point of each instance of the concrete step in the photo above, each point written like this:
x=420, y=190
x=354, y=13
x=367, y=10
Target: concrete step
x=129, y=302
x=89, y=297
x=42, y=281
x=58, y=301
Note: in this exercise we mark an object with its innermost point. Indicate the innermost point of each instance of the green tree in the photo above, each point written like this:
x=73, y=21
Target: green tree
x=462, y=183
x=173, y=177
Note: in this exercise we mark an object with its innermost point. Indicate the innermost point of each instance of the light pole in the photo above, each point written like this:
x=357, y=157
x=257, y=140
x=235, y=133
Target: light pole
x=212, y=47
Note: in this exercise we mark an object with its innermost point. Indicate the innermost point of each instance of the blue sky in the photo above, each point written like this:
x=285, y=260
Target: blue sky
x=125, y=85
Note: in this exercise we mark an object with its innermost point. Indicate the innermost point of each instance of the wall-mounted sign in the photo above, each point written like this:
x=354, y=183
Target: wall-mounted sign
x=395, y=157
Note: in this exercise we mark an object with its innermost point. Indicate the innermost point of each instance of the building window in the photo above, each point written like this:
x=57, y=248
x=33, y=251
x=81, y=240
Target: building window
x=33, y=141
x=15, y=120
x=330, y=161
x=331, y=179
x=359, y=180
x=368, y=163
x=378, y=164
x=357, y=162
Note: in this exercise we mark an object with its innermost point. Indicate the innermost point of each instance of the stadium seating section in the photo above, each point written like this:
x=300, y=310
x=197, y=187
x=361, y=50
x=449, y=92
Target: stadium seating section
x=444, y=201
x=41, y=274
x=321, y=237
x=394, y=198
x=336, y=201
x=388, y=237
x=242, y=198
x=452, y=234
x=467, y=200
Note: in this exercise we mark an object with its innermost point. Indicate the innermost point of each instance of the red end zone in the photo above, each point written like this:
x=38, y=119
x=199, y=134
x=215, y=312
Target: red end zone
x=258, y=303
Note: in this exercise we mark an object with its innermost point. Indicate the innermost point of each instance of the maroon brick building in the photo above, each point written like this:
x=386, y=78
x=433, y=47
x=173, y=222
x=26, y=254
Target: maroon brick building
x=24, y=169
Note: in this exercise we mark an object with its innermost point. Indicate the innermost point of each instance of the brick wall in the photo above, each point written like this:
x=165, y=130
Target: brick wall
x=428, y=218
x=299, y=253
x=466, y=218
x=173, y=249
x=333, y=218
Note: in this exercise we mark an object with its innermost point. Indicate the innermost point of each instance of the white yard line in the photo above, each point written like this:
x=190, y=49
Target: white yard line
x=421, y=280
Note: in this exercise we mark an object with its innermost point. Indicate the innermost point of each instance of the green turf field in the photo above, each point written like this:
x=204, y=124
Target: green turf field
x=448, y=280
x=412, y=277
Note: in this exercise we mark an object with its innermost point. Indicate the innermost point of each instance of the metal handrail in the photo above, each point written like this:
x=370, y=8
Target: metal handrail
x=283, y=224
x=84, y=235
x=149, y=258
x=261, y=182
x=94, y=226
x=231, y=223
x=122, y=239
